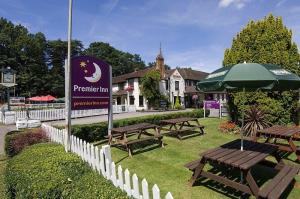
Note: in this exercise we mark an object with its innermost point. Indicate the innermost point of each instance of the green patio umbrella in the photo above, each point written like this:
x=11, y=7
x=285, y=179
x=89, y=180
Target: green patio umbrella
x=250, y=77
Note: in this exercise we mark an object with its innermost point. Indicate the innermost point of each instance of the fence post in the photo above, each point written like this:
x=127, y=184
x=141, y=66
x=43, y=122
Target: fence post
x=156, y=192
x=127, y=186
x=102, y=163
x=107, y=155
x=113, y=174
x=120, y=178
x=97, y=160
x=108, y=169
x=169, y=196
x=136, y=190
x=145, y=189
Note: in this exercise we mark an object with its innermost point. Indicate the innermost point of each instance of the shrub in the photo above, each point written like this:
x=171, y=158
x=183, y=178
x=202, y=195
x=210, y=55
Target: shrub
x=96, y=132
x=16, y=141
x=45, y=171
x=177, y=103
x=255, y=120
x=229, y=127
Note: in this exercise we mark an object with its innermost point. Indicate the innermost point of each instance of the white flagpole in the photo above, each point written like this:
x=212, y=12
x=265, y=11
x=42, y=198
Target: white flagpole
x=68, y=84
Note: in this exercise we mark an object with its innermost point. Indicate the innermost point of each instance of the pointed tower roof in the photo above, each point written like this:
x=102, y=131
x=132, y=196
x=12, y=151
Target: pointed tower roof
x=160, y=56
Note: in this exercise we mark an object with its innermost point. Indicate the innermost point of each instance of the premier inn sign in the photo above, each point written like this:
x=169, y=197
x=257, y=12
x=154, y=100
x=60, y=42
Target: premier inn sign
x=89, y=83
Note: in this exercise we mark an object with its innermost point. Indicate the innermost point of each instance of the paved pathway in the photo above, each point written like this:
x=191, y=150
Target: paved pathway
x=101, y=118
x=3, y=131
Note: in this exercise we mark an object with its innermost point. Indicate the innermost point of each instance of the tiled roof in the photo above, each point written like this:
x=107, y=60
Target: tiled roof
x=123, y=78
x=186, y=73
x=191, y=89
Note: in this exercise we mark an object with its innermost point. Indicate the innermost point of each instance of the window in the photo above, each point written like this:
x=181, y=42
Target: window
x=118, y=100
x=131, y=83
x=141, y=100
x=121, y=86
x=176, y=85
x=131, y=100
x=167, y=84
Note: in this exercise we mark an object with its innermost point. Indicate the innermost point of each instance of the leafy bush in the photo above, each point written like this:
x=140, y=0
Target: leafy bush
x=276, y=110
x=96, y=132
x=46, y=171
x=229, y=127
x=16, y=141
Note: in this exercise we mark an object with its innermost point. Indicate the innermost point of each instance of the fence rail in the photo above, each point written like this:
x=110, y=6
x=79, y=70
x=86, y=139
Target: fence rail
x=58, y=114
x=100, y=160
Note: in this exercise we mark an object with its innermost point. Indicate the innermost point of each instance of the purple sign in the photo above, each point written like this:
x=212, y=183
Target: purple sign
x=212, y=104
x=89, y=83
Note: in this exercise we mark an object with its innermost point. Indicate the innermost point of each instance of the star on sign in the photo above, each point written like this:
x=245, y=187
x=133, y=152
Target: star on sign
x=82, y=64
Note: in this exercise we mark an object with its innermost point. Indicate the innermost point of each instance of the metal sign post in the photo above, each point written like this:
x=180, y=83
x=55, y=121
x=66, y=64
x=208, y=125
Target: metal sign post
x=110, y=110
x=68, y=84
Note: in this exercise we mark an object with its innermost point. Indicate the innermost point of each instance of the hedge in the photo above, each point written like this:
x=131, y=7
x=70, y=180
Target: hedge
x=96, y=132
x=16, y=141
x=45, y=170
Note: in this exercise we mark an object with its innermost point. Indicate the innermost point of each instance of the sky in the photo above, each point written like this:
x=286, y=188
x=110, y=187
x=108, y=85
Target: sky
x=193, y=33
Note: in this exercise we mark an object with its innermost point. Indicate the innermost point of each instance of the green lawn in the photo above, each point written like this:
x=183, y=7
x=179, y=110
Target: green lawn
x=164, y=166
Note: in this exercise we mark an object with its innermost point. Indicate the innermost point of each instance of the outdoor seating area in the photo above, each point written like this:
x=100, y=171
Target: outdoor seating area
x=122, y=135
x=179, y=126
x=232, y=158
x=221, y=170
x=283, y=137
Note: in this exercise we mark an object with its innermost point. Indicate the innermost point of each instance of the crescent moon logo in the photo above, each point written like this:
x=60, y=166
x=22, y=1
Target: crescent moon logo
x=96, y=75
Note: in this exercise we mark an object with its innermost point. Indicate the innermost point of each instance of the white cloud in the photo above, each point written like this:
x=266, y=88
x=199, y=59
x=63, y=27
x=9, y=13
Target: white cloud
x=239, y=4
x=280, y=3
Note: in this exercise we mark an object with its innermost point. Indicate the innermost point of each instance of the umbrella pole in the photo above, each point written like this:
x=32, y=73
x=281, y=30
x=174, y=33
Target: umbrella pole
x=243, y=118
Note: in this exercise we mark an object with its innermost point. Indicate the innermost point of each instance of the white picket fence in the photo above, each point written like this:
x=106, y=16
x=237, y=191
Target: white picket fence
x=58, y=114
x=101, y=161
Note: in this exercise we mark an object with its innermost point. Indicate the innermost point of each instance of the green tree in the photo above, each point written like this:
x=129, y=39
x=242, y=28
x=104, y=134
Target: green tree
x=56, y=56
x=121, y=62
x=150, y=87
x=266, y=41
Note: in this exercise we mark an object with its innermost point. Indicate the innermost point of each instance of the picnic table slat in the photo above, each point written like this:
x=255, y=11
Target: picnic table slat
x=248, y=154
x=269, y=187
x=235, y=154
x=233, y=145
x=241, y=154
x=282, y=185
x=257, y=159
x=134, y=127
x=178, y=120
x=227, y=152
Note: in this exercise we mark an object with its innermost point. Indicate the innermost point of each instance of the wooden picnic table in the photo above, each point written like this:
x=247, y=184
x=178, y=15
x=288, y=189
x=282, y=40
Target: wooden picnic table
x=233, y=159
x=184, y=126
x=285, y=133
x=120, y=135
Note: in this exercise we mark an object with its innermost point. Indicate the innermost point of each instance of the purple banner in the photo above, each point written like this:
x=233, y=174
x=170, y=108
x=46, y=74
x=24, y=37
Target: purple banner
x=213, y=104
x=90, y=86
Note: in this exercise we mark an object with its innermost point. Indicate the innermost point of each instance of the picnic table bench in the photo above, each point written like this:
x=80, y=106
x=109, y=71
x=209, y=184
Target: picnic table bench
x=284, y=133
x=120, y=135
x=184, y=126
x=232, y=158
